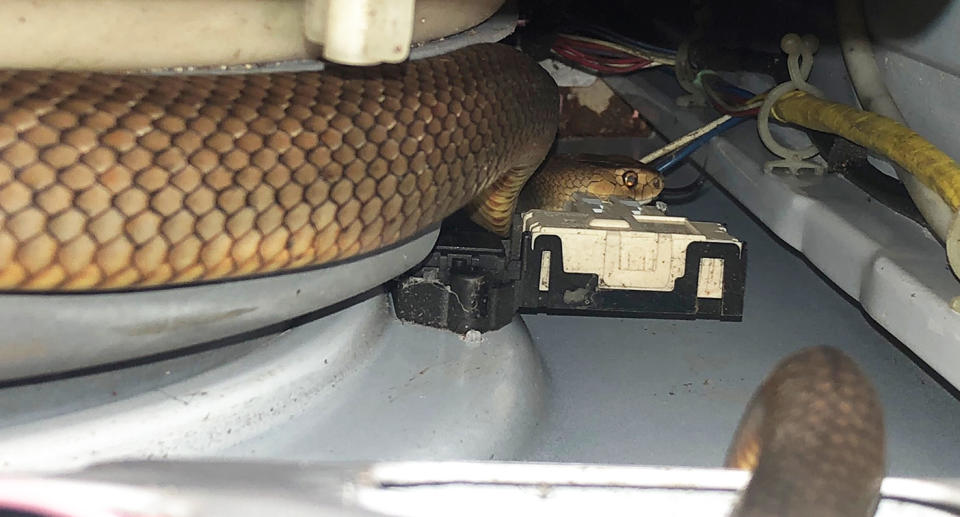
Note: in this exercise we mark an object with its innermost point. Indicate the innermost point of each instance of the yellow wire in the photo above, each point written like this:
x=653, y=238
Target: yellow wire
x=886, y=136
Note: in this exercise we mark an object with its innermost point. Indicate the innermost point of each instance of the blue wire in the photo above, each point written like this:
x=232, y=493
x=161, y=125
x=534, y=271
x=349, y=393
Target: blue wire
x=740, y=92
x=675, y=159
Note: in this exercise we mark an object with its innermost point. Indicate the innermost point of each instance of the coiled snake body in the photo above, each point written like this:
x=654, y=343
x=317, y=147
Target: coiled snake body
x=110, y=181
x=125, y=181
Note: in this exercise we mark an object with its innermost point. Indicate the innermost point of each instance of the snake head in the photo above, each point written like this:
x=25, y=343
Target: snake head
x=644, y=184
x=621, y=176
x=636, y=183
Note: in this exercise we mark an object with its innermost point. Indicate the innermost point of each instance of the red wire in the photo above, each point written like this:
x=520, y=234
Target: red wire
x=578, y=58
x=592, y=57
x=742, y=113
x=590, y=45
x=599, y=57
x=745, y=113
x=715, y=97
x=607, y=65
x=587, y=47
x=585, y=54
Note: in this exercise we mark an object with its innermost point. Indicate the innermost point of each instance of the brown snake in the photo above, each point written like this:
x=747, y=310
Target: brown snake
x=120, y=181
x=813, y=437
x=125, y=181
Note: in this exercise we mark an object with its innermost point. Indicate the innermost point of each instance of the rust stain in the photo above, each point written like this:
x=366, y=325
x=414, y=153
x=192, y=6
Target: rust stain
x=16, y=351
x=596, y=110
x=182, y=322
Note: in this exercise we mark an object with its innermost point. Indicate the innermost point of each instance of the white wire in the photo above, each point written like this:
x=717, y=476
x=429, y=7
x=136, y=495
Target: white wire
x=684, y=140
x=873, y=95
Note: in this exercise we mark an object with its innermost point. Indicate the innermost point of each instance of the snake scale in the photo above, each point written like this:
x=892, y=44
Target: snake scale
x=552, y=186
x=127, y=181
x=813, y=436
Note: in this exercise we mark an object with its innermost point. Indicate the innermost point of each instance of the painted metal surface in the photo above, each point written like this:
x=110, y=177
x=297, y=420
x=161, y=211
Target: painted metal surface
x=45, y=334
x=471, y=489
x=924, y=31
x=418, y=490
x=354, y=384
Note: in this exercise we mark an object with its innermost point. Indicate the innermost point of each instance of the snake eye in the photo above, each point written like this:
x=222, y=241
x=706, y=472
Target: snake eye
x=630, y=179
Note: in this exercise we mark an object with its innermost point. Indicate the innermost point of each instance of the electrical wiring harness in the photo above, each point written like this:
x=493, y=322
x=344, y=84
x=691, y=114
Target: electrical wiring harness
x=604, y=51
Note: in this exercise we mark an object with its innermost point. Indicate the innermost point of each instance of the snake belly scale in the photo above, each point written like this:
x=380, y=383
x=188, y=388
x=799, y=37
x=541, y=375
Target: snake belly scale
x=125, y=181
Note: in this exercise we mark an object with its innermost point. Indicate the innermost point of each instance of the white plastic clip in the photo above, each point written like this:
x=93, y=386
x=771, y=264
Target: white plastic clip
x=799, y=63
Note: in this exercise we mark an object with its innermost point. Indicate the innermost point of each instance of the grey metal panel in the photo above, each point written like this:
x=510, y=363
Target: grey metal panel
x=428, y=394
x=928, y=97
x=918, y=52
x=420, y=489
x=356, y=384
x=45, y=333
x=926, y=31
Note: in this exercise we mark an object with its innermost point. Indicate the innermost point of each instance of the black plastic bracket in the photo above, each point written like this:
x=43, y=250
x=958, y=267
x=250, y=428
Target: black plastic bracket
x=475, y=281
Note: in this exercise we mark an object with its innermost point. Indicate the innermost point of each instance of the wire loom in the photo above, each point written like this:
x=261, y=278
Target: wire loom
x=895, y=141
